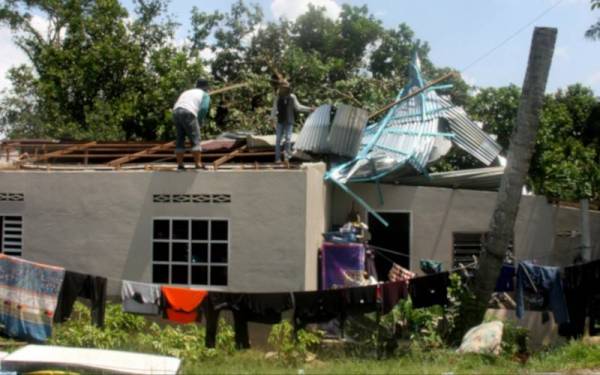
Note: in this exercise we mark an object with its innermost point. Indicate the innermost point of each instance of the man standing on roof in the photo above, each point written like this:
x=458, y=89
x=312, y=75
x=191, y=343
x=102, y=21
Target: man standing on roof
x=282, y=115
x=188, y=114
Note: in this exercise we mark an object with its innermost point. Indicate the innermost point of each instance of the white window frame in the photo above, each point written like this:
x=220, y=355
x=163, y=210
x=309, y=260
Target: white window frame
x=190, y=241
x=4, y=237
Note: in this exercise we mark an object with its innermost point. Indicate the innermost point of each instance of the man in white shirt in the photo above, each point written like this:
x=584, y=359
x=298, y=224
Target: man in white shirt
x=282, y=114
x=188, y=113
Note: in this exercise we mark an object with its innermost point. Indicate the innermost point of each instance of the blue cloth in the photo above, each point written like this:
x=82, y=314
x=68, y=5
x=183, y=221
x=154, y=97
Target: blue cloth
x=505, y=282
x=28, y=299
x=430, y=267
x=548, y=283
x=339, y=237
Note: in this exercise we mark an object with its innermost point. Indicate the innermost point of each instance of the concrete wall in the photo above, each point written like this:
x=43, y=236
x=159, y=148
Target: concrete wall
x=101, y=222
x=317, y=214
x=436, y=213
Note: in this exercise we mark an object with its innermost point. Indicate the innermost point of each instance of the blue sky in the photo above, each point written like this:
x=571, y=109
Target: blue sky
x=458, y=31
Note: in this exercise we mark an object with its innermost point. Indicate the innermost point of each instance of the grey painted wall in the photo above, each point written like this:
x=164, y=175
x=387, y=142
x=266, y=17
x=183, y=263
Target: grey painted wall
x=101, y=222
x=436, y=213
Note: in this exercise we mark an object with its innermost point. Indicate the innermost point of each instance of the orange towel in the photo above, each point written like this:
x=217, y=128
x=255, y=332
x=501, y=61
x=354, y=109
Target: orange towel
x=182, y=304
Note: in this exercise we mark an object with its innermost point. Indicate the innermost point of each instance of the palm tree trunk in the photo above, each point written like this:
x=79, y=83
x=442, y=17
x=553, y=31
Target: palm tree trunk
x=521, y=148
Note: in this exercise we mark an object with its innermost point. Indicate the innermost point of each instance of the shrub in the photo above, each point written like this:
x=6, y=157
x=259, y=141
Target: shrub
x=515, y=340
x=125, y=331
x=292, y=350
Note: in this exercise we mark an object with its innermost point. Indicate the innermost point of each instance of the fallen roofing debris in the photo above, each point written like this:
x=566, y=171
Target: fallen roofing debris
x=414, y=133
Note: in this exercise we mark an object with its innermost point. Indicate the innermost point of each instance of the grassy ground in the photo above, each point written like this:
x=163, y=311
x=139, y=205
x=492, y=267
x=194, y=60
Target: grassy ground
x=573, y=358
x=134, y=333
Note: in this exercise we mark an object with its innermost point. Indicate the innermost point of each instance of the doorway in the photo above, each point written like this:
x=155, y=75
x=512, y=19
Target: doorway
x=395, y=237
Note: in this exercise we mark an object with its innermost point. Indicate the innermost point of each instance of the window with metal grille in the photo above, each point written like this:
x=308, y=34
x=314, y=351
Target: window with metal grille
x=190, y=251
x=11, y=235
x=466, y=245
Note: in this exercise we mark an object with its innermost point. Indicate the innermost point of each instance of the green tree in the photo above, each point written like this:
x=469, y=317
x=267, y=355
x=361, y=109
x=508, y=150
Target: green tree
x=565, y=164
x=99, y=75
x=96, y=75
x=566, y=160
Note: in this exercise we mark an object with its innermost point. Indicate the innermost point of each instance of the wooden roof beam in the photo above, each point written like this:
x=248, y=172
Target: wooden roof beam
x=225, y=158
x=126, y=159
x=58, y=153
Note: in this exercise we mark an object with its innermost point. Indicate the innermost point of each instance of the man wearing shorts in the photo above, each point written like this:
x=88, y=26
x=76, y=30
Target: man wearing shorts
x=188, y=113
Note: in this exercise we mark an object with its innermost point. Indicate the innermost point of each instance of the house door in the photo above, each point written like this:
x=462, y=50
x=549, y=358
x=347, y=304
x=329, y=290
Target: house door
x=395, y=237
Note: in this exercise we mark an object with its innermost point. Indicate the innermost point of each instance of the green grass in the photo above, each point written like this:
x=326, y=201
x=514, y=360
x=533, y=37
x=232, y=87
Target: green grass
x=572, y=356
x=134, y=333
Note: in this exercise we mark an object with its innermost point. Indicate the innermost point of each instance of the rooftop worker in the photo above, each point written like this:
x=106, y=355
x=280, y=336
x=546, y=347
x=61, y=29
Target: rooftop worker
x=284, y=107
x=188, y=114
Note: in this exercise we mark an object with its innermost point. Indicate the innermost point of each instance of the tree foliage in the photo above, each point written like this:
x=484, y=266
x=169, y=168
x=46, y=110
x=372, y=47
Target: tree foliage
x=566, y=161
x=96, y=74
x=594, y=31
x=101, y=73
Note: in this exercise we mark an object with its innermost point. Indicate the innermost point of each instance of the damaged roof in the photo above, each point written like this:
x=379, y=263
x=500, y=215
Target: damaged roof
x=414, y=133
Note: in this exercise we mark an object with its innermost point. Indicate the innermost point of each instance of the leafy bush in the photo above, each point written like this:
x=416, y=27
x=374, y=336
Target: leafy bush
x=429, y=328
x=515, y=340
x=292, y=350
x=124, y=331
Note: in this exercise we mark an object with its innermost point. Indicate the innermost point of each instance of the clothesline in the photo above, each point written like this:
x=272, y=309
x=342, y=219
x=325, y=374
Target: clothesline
x=378, y=248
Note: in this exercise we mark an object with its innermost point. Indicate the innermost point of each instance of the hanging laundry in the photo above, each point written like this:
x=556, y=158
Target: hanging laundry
x=318, y=307
x=361, y=300
x=392, y=293
x=140, y=298
x=263, y=308
x=28, y=298
x=430, y=266
x=505, y=282
x=343, y=264
x=181, y=304
x=399, y=273
x=370, y=267
x=582, y=294
x=548, y=283
x=85, y=286
x=430, y=290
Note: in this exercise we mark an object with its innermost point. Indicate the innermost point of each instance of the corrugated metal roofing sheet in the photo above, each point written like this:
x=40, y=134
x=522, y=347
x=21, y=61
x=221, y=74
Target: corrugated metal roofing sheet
x=478, y=179
x=346, y=130
x=408, y=138
x=469, y=136
x=314, y=133
x=411, y=132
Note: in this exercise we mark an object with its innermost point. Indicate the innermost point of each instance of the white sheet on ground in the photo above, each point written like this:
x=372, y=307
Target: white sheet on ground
x=46, y=357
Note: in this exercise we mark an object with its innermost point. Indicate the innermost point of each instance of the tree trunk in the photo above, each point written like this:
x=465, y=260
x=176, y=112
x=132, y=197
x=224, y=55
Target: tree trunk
x=521, y=148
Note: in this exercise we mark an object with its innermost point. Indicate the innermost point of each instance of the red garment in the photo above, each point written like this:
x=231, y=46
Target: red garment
x=182, y=304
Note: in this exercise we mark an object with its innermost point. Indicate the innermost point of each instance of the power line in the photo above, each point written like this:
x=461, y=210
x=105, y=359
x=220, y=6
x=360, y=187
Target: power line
x=512, y=36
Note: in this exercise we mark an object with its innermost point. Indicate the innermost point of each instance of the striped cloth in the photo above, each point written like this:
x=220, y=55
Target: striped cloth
x=28, y=298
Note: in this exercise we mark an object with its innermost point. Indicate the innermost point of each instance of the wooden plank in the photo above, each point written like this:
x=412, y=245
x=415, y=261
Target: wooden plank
x=412, y=94
x=228, y=88
x=137, y=155
x=165, y=155
x=226, y=158
x=59, y=153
